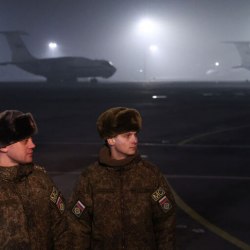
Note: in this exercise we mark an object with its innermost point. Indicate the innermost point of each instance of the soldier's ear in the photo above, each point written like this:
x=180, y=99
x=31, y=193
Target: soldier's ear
x=4, y=149
x=111, y=141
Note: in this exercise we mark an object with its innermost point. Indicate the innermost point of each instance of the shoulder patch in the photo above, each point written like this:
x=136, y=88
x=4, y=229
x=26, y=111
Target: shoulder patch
x=78, y=209
x=158, y=194
x=165, y=204
x=56, y=198
x=40, y=168
x=54, y=195
x=60, y=204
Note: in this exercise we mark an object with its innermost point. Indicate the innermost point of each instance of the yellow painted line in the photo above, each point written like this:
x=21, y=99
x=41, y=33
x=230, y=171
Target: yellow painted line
x=196, y=216
x=211, y=133
x=192, y=213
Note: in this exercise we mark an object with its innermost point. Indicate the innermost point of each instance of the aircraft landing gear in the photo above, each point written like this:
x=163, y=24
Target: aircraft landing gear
x=93, y=80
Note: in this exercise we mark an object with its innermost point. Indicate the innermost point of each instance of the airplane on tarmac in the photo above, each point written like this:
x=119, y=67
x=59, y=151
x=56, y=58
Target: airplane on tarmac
x=54, y=69
x=244, y=52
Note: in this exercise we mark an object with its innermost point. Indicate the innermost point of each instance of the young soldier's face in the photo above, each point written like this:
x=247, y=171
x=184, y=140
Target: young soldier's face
x=123, y=145
x=20, y=152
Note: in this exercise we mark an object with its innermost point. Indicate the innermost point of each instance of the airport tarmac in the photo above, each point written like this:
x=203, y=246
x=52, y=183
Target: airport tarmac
x=196, y=132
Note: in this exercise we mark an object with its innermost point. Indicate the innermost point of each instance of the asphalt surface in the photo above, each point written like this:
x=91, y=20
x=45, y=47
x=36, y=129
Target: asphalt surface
x=197, y=133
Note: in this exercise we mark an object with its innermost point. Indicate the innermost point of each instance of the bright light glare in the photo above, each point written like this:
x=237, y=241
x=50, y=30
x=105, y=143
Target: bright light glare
x=153, y=48
x=217, y=64
x=159, y=97
x=147, y=26
x=52, y=45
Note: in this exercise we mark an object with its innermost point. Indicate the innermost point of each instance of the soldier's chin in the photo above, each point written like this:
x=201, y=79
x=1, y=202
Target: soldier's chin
x=30, y=160
x=132, y=152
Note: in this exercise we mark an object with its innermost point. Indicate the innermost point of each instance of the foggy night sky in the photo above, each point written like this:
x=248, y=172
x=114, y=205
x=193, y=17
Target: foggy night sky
x=189, y=35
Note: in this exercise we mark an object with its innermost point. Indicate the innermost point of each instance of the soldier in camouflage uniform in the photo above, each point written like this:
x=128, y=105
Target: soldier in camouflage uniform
x=122, y=201
x=32, y=213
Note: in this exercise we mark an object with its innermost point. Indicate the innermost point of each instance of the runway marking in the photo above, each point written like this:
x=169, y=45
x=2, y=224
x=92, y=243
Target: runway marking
x=196, y=216
x=211, y=133
x=68, y=143
x=153, y=145
x=209, y=177
x=213, y=228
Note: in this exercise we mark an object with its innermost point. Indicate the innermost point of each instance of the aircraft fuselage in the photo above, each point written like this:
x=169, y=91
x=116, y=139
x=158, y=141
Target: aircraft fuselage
x=68, y=67
x=59, y=68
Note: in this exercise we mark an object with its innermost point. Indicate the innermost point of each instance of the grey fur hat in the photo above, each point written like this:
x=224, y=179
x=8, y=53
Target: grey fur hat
x=118, y=120
x=15, y=126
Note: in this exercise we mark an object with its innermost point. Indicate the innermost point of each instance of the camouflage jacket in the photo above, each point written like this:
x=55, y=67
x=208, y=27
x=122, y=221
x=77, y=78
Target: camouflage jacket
x=31, y=211
x=123, y=204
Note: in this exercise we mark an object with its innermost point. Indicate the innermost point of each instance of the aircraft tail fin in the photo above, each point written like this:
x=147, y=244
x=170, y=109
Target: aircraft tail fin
x=244, y=52
x=19, y=51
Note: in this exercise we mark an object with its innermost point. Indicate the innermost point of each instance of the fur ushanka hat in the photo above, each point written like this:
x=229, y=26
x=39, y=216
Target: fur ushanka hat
x=15, y=126
x=118, y=120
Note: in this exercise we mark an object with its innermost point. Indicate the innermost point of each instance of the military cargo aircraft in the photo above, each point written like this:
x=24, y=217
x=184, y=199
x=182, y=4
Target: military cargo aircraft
x=61, y=69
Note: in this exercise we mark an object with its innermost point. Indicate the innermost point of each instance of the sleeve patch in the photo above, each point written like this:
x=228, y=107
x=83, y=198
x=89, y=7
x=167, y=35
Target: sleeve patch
x=54, y=195
x=165, y=204
x=60, y=204
x=158, y=194
x=57, y=200
x=78, y=209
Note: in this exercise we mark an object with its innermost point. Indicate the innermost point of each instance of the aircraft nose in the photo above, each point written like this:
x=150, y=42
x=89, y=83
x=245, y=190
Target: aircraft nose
x=112, y=70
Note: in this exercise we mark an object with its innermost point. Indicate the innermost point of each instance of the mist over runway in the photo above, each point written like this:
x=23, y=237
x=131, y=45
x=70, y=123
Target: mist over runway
x=198, y=133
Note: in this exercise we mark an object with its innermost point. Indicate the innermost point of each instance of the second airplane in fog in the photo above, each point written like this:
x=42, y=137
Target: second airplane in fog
x=54, y=69
x=244, y=52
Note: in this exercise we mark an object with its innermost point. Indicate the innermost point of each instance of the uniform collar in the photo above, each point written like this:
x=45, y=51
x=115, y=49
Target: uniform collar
x=15, y=173
x=105, y=159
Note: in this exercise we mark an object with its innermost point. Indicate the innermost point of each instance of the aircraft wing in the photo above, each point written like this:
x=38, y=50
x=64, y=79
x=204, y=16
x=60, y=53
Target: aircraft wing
x=244, y=52
x=5, y=63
